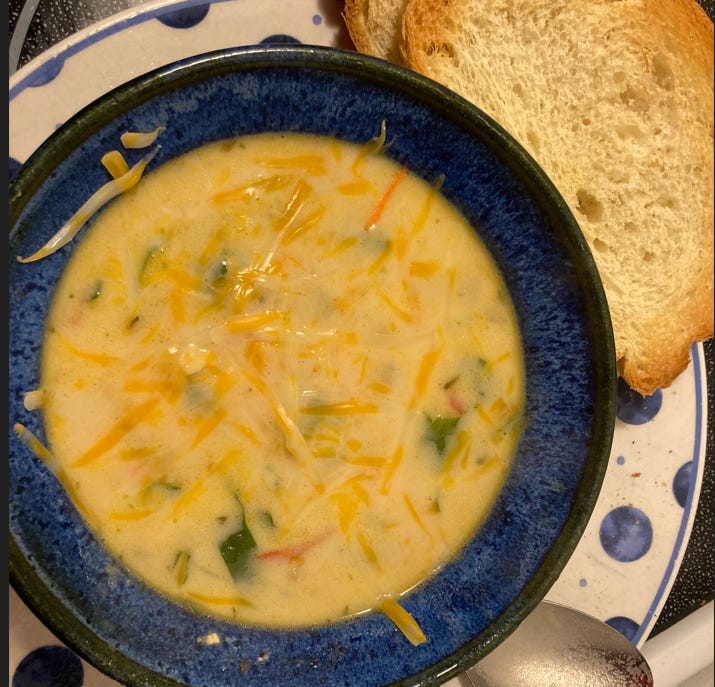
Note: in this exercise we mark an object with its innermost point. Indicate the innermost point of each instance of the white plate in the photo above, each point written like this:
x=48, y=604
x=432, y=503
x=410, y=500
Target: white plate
x=628, y=558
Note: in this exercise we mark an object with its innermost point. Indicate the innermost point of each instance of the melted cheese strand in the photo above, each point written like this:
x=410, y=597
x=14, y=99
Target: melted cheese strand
x=97, y=200
x=33, y=443
x=115, y=164
x=404, y=621
x=342, y=408
x=137, y=139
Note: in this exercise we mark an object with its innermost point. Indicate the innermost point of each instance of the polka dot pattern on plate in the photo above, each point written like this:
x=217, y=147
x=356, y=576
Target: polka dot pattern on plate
x=626, y=534
x=681, y=483
x=46, y=73
x=625, y=626
x=49, y=666
x=185, y=18
x=279, y=38
x=634, y=409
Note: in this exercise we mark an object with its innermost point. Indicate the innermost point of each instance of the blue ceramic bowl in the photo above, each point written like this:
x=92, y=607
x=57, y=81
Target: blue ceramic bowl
x=139, y=638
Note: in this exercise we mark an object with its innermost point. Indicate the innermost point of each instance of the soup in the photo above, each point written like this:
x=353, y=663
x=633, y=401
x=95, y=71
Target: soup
x=282, y=379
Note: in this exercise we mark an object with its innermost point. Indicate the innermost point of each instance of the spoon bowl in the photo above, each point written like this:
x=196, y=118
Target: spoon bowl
x=558, y=645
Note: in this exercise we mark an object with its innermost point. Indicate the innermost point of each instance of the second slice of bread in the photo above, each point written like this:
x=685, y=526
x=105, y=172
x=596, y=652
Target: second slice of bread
x=375, y=27
x=614, y=99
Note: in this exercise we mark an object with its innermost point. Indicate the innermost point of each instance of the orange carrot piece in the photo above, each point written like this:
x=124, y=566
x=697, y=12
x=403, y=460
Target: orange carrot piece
x=375, y=216
x=294, y=552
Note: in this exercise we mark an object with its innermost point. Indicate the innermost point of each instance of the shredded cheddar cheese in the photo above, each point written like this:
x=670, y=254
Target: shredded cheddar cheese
x=140, y=139
x=404, y=621
x=99, y=198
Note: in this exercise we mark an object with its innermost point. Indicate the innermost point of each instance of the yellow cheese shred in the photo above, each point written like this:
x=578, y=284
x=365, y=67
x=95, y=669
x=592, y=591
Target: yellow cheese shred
x=312, y=164
x=132, y=515
x=374, y=146
x=99, y=358
x=341, y=408
x=403, y=620
x=187, y=498
x=208, y=425
x=394, y=463
x=46, y=456
x=423, y=374
x=366, y=547
x=300, y=194
x=357, y=188
x=115, y=164
x=33, y=443
x=219, y=600
x=138, y=139
x=423, y=270
x=97, y=200
x=347, y=509
x=247, y=191
x=415, y=516
x=308, y=223
x=403, y=314
x=246, y=323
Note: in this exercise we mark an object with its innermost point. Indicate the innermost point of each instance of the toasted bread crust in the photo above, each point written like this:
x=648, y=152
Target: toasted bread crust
x=615, y=102
x=375, y=27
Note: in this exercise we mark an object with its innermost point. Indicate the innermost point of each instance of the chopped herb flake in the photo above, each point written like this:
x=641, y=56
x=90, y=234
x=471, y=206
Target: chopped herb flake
x=267, y=519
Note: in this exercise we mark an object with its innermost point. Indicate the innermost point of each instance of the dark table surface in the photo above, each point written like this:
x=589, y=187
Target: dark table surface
x=36, y=25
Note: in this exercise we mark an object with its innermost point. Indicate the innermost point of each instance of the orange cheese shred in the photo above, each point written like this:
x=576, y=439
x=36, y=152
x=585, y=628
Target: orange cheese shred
x=117, y=432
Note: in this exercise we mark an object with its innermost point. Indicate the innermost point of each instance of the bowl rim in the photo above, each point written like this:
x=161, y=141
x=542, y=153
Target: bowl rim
x=128, y=95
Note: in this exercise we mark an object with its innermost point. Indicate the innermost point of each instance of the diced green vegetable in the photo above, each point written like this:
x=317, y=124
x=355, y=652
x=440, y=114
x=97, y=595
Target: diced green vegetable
x=448, y=384
x=439, y=429
x=168, y=486
x=220, y=271
x=96, y=291
x=154, y=257
x=237, y=549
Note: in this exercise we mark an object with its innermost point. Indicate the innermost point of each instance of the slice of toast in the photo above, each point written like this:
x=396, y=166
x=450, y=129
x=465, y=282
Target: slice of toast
x=614, y=99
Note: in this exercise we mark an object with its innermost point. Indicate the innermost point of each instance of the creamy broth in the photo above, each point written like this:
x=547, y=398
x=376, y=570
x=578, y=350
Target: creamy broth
x=282, y=379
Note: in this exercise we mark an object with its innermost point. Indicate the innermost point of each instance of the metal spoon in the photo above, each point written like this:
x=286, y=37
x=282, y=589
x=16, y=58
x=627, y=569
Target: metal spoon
x=557, y=646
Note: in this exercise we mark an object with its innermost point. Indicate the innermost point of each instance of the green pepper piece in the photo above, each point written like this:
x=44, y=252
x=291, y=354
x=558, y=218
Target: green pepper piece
x=439, y=429
x=237, y=550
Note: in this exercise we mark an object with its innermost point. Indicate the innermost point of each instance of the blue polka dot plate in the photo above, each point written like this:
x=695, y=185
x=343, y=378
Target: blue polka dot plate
x=138, y=637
